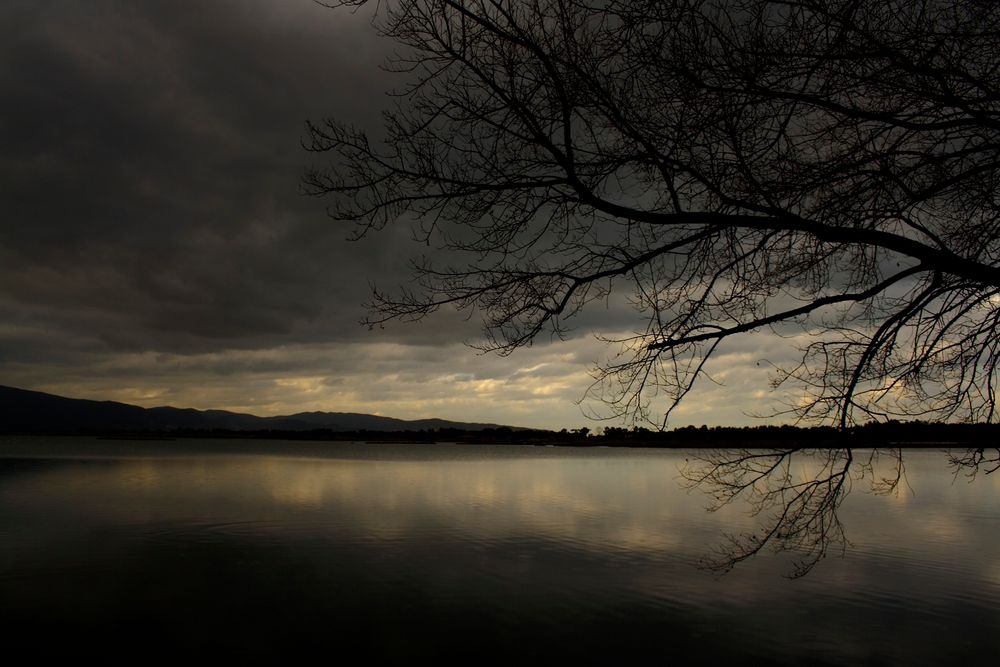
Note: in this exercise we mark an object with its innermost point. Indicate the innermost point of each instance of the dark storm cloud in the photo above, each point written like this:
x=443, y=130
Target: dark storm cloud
x=150, y=174
x=150, y=171
x=155, y=247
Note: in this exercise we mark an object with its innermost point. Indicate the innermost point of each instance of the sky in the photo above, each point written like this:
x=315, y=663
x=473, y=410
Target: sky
x=156, y=247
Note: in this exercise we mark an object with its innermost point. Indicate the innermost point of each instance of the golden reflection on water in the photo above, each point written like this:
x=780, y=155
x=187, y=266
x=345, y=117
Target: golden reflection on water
x=493, y=537
x=616, y=502
x=630, y=505
x=624, y=503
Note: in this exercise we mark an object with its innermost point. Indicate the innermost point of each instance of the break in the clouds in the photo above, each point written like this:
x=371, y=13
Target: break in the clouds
x=155, y=247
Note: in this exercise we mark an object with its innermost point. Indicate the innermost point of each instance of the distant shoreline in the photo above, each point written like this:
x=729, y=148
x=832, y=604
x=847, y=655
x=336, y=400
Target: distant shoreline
x=891, y=434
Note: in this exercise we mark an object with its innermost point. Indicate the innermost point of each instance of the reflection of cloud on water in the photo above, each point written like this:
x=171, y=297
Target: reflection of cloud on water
x=610, y=504
x=142, y=475
x=587, y=504
x=307, y=493
x=940, y=527
x=621, y=503
x=532, y=523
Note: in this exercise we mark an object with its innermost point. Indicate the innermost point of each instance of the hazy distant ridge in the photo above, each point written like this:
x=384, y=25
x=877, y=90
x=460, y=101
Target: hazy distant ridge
x=26, y=411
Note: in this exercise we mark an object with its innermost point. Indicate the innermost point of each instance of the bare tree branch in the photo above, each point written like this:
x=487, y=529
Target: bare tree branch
x=826, y=166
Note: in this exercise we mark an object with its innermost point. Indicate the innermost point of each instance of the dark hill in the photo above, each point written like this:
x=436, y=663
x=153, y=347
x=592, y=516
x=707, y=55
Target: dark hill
x=23, y=411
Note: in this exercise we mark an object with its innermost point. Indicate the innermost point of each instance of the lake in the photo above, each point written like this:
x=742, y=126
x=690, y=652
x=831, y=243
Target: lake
x=271, y=551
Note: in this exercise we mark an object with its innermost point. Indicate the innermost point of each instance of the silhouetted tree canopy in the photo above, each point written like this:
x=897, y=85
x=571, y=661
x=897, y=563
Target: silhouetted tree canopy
x=825, y=168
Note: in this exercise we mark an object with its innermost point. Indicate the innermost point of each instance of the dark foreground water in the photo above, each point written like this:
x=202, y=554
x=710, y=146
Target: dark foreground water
x=339, y=552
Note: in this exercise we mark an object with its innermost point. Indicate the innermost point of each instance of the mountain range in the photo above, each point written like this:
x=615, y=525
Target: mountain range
x=24, y=411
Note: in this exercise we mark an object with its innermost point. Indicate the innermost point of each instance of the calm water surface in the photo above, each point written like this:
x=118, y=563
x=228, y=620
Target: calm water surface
x=272, y=551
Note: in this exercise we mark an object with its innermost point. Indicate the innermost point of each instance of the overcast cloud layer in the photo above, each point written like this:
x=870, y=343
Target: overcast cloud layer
x=155, y=248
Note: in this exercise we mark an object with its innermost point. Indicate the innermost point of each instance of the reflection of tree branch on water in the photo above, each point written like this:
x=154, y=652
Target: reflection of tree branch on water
x=797, y=490
x=971, y=462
